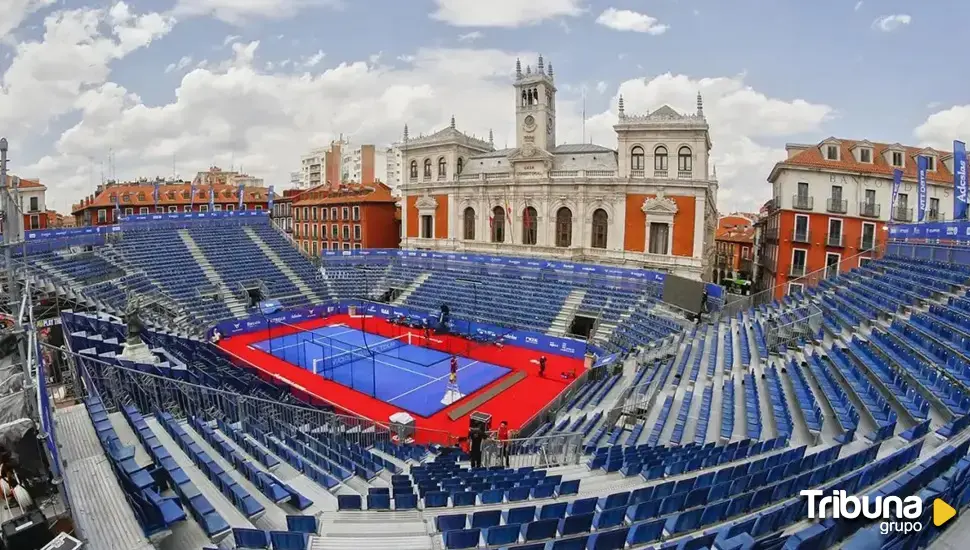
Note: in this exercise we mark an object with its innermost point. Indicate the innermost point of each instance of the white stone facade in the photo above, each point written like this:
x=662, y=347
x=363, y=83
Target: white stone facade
x=660, y=165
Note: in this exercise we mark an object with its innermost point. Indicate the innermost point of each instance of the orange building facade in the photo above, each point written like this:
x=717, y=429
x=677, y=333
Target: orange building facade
x=734, y=247
x=649, y=201
x=345, y=217
x=831, y=207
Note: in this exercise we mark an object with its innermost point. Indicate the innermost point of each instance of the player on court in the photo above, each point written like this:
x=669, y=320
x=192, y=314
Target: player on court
x=454, y=365
x=542, y=366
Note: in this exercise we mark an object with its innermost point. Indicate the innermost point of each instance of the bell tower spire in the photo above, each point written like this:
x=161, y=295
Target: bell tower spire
x=535, y=105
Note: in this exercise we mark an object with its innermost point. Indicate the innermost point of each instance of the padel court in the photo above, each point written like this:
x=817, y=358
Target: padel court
x=398, y=370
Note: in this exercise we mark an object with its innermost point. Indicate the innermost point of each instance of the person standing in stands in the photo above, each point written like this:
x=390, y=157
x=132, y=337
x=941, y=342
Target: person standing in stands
x=503, y=441
x=542, y=366
x=475, y=439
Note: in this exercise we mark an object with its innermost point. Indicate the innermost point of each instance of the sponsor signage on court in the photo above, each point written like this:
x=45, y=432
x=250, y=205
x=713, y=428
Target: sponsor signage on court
x=527, y=339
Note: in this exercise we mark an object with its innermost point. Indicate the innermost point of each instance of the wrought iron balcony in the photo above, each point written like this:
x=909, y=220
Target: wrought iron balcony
x=802, y=202
x=837, y=206
x=834, y=239
x=902, y=214
x=800, y=236
x=870, y=209
x=797, y=270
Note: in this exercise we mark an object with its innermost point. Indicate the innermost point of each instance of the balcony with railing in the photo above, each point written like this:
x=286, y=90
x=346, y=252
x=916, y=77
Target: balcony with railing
x=935, y=216
x=870, y=209
x=835, y=239
x=837, y=205
x=800, y=236
x=867, y=243
x=902, y=214
x=660, y=173
x=796, y=271
x=802, y=202
x=684, y=174
x=771, y=234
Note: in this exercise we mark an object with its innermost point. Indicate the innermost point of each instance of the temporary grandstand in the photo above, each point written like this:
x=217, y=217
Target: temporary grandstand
x=227, y=421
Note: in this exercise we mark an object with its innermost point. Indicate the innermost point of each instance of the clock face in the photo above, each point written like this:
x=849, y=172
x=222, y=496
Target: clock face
x=530, y=121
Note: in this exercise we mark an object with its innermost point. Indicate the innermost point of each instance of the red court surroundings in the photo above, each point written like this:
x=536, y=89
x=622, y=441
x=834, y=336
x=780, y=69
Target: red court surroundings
x=516, y=404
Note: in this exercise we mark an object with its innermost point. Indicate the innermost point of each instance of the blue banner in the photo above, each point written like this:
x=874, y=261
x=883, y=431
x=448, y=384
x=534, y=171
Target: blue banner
x=921, y=165
x=959, y=180
x=242, y=193
x=897, y=182
x=713, y=291
x=155, y=195
x=951, y=231
x=193, y=216
x=269, y=198
x=192, y=197
x=212, y=198
x=533, y=340
x=43, y=234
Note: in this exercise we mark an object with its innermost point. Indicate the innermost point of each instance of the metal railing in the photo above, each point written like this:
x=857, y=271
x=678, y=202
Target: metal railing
x=807, y=281
x=870, y=209
x=834, y=239
x=548, y=412
x=902, y=214
x=801, y=236
x=838, y=206
x=802, y=202
x=565, y=449
x=790, y=336
x=119, y=386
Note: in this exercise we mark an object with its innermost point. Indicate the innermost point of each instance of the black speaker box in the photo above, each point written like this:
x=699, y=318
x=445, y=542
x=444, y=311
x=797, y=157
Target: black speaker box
x=28, y=532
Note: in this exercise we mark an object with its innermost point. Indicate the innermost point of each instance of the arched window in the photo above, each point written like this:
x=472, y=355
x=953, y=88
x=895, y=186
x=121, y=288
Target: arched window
x=498, y=224
x=414, y=168
x=564, y=227
x=469, y=224
x=684, y=160
x=529, y=232
x=636, y=158
x=600, y=221
x=660, y=158
x=427, y=168
x=461, y=165
x=442, y=167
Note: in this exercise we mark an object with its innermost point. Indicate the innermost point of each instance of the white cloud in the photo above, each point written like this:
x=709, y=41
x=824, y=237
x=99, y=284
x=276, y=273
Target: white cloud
x=601, y=87
x=237, y=12
x=626, y=20
x=503, y=13
x=941, y=128
x=889, y=23
x=229, y=39
x=468, y=37
x=15, y=11
x=858, y=5
x=45, y=78
x=182, y=63
x=742, y=121
x=314, y=59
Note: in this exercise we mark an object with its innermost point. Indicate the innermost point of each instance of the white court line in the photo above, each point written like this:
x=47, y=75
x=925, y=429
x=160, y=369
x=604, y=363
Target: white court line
x=433, y=381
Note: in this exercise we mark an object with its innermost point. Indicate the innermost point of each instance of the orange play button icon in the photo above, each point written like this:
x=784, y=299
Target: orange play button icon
x=942, y=512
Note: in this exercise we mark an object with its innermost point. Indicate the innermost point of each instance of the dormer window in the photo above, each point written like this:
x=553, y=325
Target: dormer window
x=931, y=163
x=897, y=159
x=831, y=152
x=865, y=155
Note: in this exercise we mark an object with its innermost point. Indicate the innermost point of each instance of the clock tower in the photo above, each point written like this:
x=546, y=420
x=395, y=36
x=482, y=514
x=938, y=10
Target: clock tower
x=535, y=106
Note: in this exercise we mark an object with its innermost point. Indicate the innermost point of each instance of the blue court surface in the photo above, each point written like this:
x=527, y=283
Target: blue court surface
x=395, y=370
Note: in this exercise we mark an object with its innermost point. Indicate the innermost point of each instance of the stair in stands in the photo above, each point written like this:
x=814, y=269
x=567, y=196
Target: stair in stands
x=306, y=289
x=403, y=296
x=572, y=302
x=235, y=305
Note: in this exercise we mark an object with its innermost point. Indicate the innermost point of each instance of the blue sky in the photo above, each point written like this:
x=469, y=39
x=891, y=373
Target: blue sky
x=255, y=83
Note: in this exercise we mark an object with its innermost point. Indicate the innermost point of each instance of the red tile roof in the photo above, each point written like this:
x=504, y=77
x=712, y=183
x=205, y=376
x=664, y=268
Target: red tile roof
x=141, y=194
x=350, y=193
x=812, y=157
x=23, y=182
x=737, y=234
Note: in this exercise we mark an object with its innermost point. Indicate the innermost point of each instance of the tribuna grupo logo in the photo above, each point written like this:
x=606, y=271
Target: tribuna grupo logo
x=895, y=514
